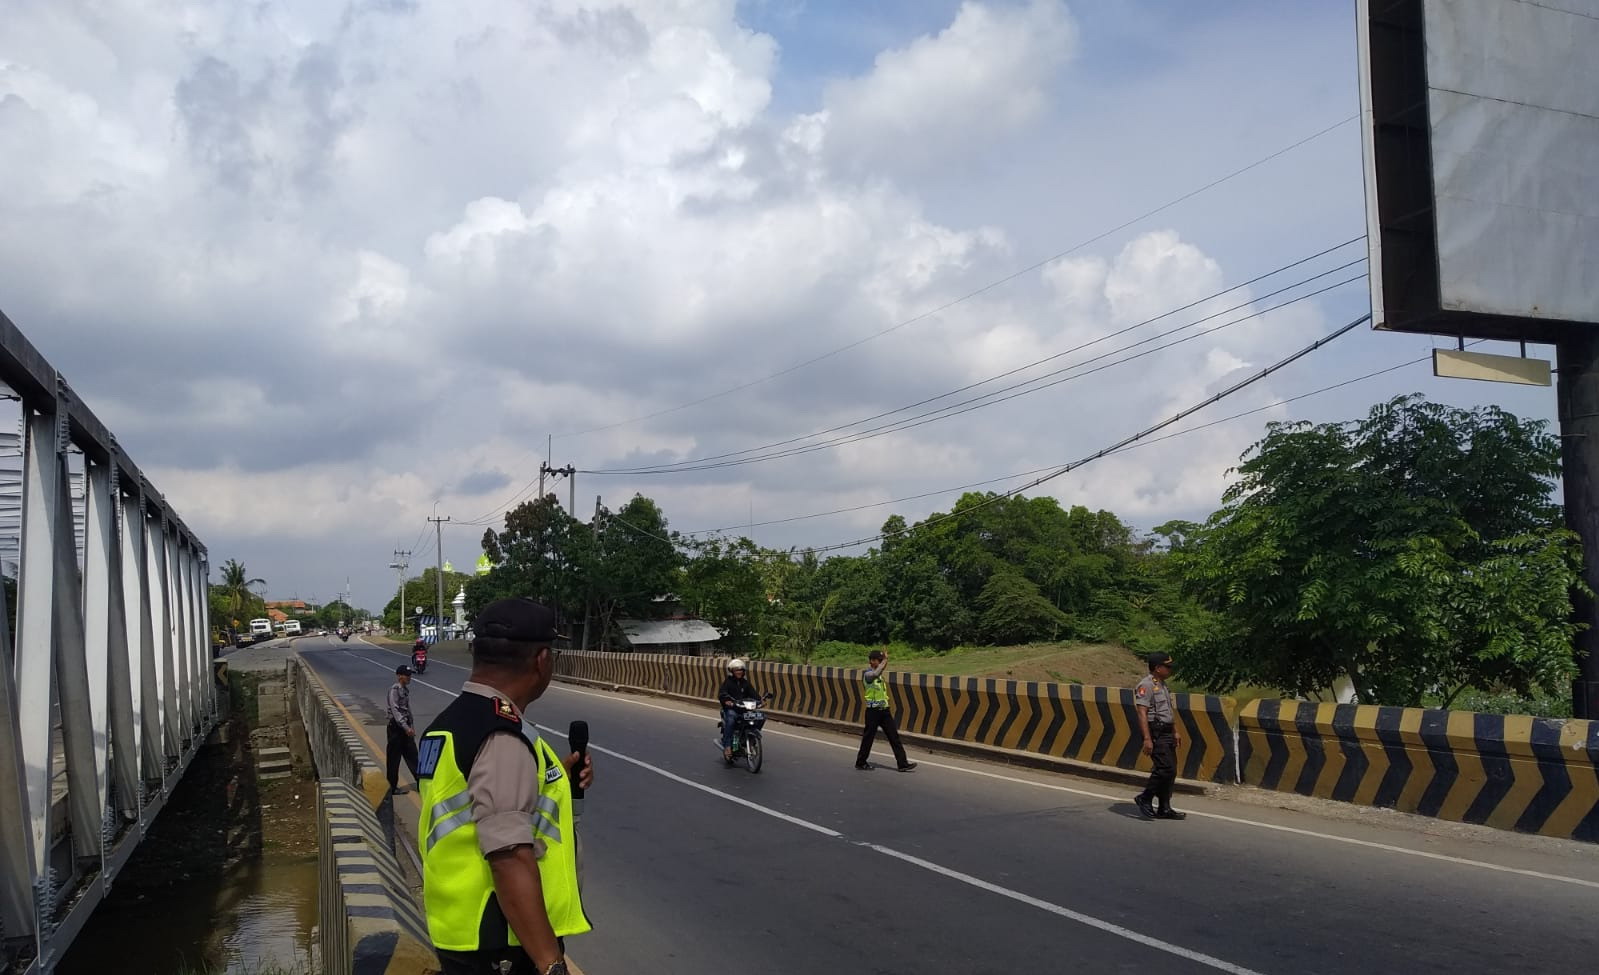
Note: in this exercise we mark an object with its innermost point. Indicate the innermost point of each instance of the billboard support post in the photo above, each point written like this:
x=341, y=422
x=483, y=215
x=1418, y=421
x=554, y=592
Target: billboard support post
x=1577, y=389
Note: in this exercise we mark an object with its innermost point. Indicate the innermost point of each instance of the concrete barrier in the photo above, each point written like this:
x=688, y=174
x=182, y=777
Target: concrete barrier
x=335, y=746
x=1535, y=775
x=1097, y=725
x=369, y=923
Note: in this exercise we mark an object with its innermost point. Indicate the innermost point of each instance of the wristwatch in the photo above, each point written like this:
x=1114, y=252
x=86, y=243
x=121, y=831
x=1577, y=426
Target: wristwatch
x=557, y=967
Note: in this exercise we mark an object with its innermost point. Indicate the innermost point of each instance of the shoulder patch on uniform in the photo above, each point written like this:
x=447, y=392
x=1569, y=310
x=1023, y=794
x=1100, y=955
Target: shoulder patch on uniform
x=504, y=709
x=1143, y=689
x=428, y=754
x=553, y=773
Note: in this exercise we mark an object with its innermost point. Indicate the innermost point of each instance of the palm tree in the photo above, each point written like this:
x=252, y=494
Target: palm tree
x=237, y=585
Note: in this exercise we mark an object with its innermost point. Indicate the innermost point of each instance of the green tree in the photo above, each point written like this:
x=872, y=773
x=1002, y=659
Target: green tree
x=805, y=626
x=542, y=553
x=635, y=562
x=723, y=582
x=1014, y=611
x=238, y=589
x=1418, y=551
x=423, y=591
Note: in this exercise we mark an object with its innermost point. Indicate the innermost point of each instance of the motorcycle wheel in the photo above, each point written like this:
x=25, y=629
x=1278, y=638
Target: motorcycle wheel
x=752, y=753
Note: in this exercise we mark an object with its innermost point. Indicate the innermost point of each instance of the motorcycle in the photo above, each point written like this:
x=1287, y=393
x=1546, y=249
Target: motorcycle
x=746, y=733
x=419, y=656
x=344, y=635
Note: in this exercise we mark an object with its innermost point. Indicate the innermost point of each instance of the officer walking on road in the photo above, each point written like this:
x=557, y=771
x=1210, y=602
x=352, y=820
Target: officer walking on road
x=879, y=714
x=402, y=728
x=499, y=847
x=1157, y=721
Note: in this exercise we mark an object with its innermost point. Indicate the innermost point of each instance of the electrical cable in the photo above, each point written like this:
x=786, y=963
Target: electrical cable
x=1119, y=445
x=662, y=468
x=1039, y=470
x=969, y=295
x=992, y=398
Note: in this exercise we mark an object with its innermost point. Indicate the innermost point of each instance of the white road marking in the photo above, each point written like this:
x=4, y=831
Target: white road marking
x=1043, y=905
x=1065, y=912
x=1236, y=820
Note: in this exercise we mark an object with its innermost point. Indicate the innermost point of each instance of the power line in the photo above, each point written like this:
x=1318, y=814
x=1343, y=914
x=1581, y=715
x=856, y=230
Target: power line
x=1039, y=470
x=922, y=316
x=994, y=397
x=662, y=468
x=1119, y=445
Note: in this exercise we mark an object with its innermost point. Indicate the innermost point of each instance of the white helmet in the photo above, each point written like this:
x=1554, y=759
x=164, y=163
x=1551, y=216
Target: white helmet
x=737, y=663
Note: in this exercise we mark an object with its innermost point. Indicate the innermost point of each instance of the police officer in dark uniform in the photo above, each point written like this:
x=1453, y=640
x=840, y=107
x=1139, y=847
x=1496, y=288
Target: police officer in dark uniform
x=1158, y=721
x=498, y=831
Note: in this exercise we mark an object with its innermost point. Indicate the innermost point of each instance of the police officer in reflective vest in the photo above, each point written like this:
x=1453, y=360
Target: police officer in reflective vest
x=1158, y=721
x=499, y=851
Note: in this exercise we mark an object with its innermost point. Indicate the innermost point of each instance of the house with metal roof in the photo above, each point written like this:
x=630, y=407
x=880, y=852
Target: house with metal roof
x=682, y=636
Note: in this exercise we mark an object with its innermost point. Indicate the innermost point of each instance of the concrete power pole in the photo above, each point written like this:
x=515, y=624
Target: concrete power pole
x=438, y=618
x=570, y=473
x=402, y=561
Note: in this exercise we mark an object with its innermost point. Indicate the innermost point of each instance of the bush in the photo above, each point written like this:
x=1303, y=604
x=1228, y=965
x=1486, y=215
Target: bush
x=1509, y=702
x=837, y=652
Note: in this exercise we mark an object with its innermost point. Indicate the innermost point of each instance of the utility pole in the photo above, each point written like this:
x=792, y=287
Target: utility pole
x=438, y=619
x=588, y=602
x=570, y=473
x=402, y=561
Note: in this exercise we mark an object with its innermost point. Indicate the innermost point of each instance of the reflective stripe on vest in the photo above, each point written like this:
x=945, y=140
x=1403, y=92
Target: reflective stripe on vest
x=877, y=691
x=457, y=881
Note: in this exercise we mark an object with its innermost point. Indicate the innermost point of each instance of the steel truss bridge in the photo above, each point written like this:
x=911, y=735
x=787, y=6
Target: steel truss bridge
x=106, y=686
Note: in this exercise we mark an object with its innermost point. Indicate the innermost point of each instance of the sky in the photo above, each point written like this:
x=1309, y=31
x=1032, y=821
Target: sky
x=329, y=269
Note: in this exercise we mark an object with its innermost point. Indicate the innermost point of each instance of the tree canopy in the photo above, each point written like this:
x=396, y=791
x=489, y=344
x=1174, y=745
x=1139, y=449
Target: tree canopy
x=1417, y=551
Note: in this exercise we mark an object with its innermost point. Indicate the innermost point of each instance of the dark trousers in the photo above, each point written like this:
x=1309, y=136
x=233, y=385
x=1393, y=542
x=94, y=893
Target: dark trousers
x=881, y=718
x=1164, y=754
x=401, y=745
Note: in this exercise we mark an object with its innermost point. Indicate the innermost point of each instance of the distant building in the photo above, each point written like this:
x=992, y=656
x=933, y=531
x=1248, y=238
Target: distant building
x=683, y=636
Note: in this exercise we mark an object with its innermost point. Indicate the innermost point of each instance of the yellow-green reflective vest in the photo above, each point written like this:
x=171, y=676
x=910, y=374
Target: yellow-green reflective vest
x=457, y=884
x=877, y=691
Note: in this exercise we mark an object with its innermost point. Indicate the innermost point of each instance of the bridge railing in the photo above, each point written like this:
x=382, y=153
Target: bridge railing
x=106, y=688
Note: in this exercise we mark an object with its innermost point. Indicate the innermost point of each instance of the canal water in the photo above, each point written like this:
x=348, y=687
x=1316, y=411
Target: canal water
x=224, y=882
x=257, y=922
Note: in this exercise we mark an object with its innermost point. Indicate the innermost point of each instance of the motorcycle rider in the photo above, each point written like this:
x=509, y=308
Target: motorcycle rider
x=419, y=655
x=734, y=689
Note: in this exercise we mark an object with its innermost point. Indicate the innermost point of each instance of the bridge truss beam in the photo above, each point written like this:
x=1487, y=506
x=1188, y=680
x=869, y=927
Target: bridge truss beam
x=106, y=690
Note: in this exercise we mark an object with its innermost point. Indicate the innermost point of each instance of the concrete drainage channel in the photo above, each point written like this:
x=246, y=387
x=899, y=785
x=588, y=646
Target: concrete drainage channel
x=226, y=881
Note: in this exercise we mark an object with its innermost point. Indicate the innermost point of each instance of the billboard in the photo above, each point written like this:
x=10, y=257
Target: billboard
x=1481, y=138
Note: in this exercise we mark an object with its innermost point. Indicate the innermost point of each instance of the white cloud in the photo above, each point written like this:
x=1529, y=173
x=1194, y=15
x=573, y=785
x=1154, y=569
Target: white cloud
x=984, y=75
x=319, y=265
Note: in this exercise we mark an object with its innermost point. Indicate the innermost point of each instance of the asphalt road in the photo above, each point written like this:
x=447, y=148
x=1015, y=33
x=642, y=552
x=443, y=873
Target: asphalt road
x=965, y=866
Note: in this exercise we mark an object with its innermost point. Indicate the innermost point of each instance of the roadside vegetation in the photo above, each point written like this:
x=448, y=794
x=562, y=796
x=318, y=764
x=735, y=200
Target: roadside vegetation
x=1417, y=552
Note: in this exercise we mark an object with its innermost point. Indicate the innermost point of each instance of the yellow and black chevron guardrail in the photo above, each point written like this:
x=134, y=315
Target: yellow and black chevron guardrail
x=1073, y=721
x=335, y=746
x=368, y=920
x=1536, y=775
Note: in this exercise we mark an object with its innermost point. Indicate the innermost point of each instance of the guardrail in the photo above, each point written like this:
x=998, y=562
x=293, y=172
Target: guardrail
x=1509, y=771
x=336, y=748
x=1070, y=721
x=369, y=923
x=112, y=651
x=1535, y=775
